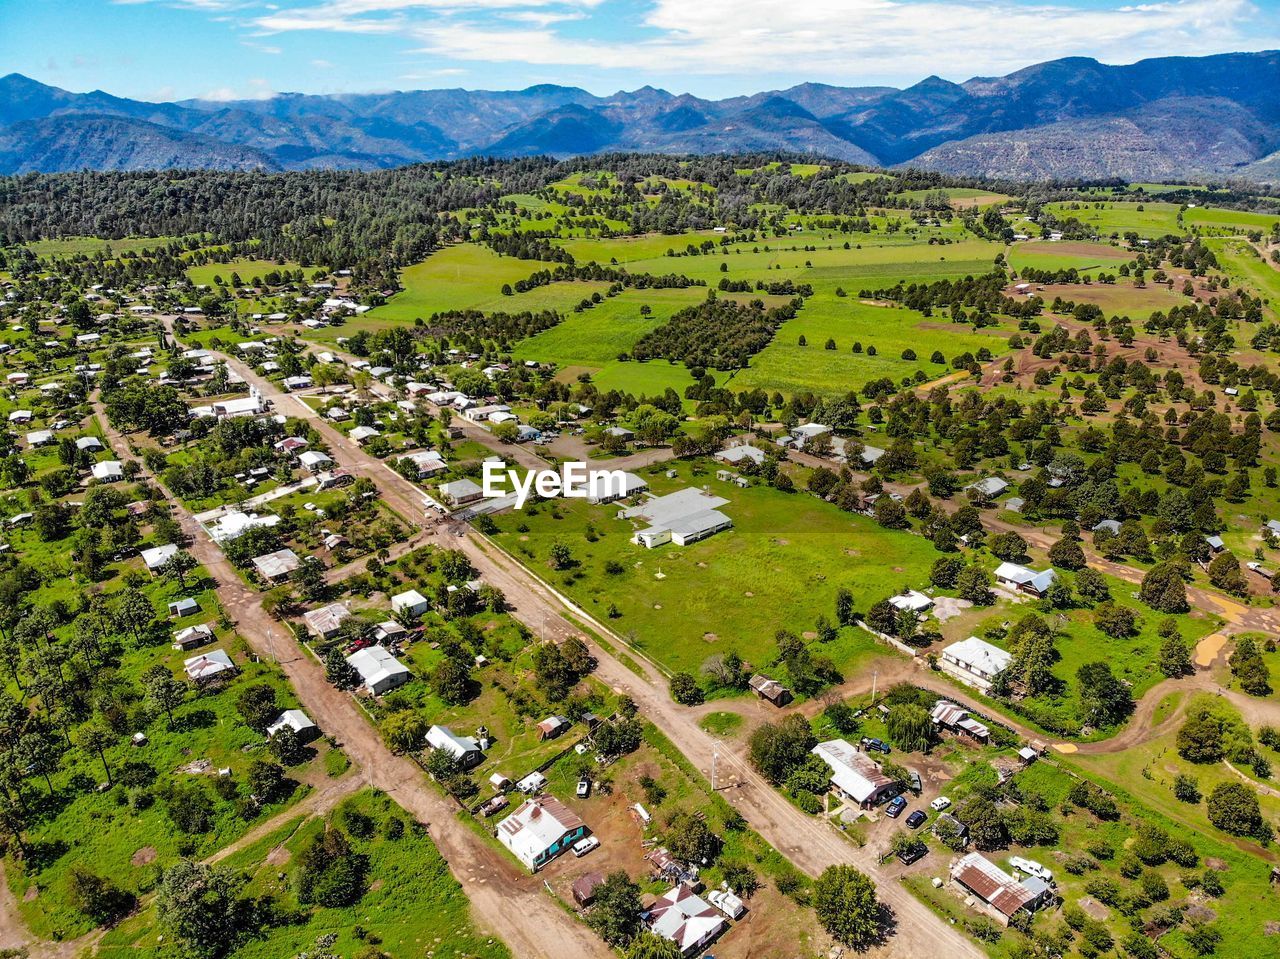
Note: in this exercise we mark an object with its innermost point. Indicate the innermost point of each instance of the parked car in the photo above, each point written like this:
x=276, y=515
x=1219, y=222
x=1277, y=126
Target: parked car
x=939, y=804
x=896, y=805
x=916, y=819
x=913, y=853
x=584, y=788
x=584, y=846
x=869, y=742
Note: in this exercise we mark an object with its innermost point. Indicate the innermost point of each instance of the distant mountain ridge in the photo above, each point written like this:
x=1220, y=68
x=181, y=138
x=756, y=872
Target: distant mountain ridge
x=1071, y=118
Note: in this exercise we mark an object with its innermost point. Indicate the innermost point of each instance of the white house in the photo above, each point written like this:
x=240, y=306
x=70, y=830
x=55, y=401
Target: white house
x=108, y=471
x=208, y=665
x=296, y=720
x=461, y=491
x=313, y=460
x=738, y=454
x=412, y=602
x=90, y=443
x=682, y=517
x=540, y=830
x=991, y=487
x=193, y=636
x=1026, y=580
x=975, y=662
x=39, y=438
x=379, y=670
x=362, y=434
x=464, y=749
x=685, y=918
x=233, y=524
x=427, y=463
x=916, y=602
x=276, y=567
x=157, y=556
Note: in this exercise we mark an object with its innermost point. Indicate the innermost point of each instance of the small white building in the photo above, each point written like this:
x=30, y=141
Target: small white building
x=975, y=662
x=209, y=665
x=155, y=557
x=276, y=567
x=461, y=491
x=326, y=622
x=379, y=670
x=296, y=720
x=464, y=749
x=1022, y=579
x=411, y=602
x=314, y=461
x=193, y=637
x=108, y=471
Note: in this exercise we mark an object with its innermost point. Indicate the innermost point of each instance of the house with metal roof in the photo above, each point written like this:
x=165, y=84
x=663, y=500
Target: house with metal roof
x=326, y=622
x=540, y=830
x=1002, y=895
x=1025, y=580
x=379, y=670
x=464, y=749
x=276, y=567
x=854, y=774
x=209, y=665
x=685, y=918
x=975, y=662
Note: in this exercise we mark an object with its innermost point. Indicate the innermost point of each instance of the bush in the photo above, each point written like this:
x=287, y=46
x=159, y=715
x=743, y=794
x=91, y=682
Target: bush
x=685, y=690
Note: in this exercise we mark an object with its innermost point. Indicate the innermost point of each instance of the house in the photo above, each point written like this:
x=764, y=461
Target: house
x=20, y=416
x=460, y=492
x=390, y=630
x=803, y=435
x=975, y=662
x=1110, y=525
x=621, y=432
x=276, y=567
x=870, y=455
x=292, y=383
x=326, y=622
x=108, y=471
x=313, y=460
x=90, y=443
x=296, y=720
x=412, y=603
x=682, y=517
x=1215, y=543
x=685, y=918
x=947, y=824
x=332, y=479
x=540, y=830
x=335, y=541
x=183, y=607
x=1025, y=580
x=602, y=490
x=208, y=666
x=427, y=463
x=1003, y=896
x=193, y=637
x=362, y=434
x=735, y=455
x=991, y=487
x=770, y=689
x=233, y=524
x=1015, y=504
x=552, y=726
x=948, y=716
x=912, y=600
x=291, y=444
x=155, y=557
x=855, y=775
x=379, y=670
x=1272, y=527
x=464, y=749
x=585, y=888
x=39, y=438
x=250, y=405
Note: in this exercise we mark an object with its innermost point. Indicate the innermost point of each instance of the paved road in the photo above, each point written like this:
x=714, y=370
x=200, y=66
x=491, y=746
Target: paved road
x=505, y=901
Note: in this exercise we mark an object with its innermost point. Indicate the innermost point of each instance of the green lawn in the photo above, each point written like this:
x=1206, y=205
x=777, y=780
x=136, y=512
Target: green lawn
x=1107, y=217
x=203, y=275
x=412, y=903
x=778, y=568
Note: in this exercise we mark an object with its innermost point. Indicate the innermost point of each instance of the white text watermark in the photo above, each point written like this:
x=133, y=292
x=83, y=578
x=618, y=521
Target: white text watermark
x=575, y=481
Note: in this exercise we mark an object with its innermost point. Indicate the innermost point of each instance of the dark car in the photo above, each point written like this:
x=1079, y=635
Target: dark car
x=916, y=819
x=913, y=853
x=870, y=743
x=895, y=807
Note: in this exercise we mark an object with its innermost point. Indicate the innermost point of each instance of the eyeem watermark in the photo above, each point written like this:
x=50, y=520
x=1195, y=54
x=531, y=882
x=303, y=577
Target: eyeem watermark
x=577, y=482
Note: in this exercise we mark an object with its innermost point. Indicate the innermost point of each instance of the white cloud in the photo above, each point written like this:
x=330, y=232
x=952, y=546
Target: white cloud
x=395, y=16
x=257, y=89
x=854, y=38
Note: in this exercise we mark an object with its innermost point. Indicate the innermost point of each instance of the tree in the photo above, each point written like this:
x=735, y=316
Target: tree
x=451, y=681
x=846, y=904
x=257, y=706
x=1008, y=546
x=338, y=671
x=648, y=946
x=1067, y=554
x=909, y=727
x=404, y=730
x=615, y=914
x=685, y=689
x=1199, y=739
x=974, y=584
x=177, y=566
x=330, y=872
x=97, y=739
x=266, y=779
x=778, y=748
x=690, y=839
x=1248, y=666
x=1224, y=573
x=1163, y=589
x=287, y=747
x=1175, y=652
x=198, y=905
x=844, y=606
x=134, y=612
x=1186, y=788
x=98, y=898
x=1104, y=700
x=163, y=690
x=1233, y=808
x=1116, y=621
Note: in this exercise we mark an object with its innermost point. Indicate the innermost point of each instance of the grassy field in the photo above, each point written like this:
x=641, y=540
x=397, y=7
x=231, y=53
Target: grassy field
x=412, y=901
x=778, y=568
x=204, y=274
x=1150, y=219
x=91, y=245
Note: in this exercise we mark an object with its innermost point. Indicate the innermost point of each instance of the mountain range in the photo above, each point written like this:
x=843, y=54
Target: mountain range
x=1174, y=117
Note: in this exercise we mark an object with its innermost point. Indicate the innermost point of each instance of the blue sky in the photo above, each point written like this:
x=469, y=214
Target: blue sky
x=223, y=49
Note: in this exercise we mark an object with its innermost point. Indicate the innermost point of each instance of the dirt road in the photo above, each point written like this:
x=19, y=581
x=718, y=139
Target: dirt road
x=505, y=901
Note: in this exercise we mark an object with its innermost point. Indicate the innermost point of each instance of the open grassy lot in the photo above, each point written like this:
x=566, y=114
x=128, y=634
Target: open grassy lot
x=1148, y=219
x=204, y=274
x=1089, y=258
x=778, y=568
x=960, y=197
x=72, y=245
x=411, y=900
x=1212, y=219
x=1243, y=263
